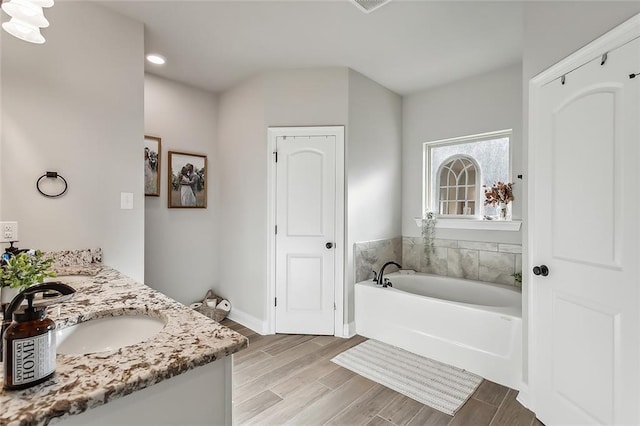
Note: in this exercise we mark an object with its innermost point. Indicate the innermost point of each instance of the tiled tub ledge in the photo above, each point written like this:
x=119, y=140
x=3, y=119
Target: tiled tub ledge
x=83, y=382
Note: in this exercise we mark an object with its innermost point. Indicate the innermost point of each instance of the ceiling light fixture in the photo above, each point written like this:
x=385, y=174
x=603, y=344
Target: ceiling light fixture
x=156, y=59
x=24, y=31
x=27, y=18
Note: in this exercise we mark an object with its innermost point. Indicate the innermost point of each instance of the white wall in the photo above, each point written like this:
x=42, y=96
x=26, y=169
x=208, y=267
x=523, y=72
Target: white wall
x=181, y=245
x=75, y=105
x=554, y=30
x=306, y=97
x=241, y=163
x=300, y=97
x=374, y=169
x=303, y=97
x=480, y=104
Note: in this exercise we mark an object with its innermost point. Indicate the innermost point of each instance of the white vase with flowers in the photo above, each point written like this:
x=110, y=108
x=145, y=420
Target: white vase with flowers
x=500, y=196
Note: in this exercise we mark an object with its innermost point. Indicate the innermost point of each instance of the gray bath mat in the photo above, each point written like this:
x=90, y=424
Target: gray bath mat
x=430, y=382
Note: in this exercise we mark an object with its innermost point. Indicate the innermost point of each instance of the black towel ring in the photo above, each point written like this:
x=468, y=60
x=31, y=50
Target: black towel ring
x=53, y=175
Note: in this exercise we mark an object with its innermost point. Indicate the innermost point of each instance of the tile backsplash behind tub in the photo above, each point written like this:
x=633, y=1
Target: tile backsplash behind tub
x=371, y=255
x=482, y=261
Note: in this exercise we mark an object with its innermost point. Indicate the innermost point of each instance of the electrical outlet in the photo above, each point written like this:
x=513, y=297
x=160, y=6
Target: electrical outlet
x=8, y=231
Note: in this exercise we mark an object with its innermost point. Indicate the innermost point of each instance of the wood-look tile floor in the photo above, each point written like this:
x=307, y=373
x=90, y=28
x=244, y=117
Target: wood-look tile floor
x=290, y=379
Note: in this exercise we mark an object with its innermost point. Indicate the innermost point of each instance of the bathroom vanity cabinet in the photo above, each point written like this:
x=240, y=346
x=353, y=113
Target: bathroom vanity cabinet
x=181, y=375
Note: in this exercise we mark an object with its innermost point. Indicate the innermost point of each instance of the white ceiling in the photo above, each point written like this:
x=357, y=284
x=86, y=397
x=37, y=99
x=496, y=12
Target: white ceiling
x=406, y=46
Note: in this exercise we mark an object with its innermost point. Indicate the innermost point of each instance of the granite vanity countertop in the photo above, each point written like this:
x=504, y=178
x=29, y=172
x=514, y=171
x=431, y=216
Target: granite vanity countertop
x=81, y=382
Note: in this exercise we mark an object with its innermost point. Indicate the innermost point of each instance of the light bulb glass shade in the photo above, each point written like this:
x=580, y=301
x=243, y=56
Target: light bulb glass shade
x=42, y=3
x=26, y=11
x=23, y=31
x=156, y=59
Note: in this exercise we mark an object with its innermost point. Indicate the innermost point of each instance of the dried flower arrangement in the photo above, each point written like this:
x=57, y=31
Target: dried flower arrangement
x=498, y=193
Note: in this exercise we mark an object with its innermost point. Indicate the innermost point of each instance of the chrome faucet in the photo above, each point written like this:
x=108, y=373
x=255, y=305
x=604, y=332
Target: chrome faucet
x=380, y=280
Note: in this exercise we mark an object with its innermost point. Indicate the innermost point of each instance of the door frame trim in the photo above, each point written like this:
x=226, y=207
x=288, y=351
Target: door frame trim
x=272, y=134
x=617, y=37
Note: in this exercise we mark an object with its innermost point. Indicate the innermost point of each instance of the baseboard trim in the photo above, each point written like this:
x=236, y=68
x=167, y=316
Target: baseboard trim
x=248, y=321
x=523, y=396
x=349, y=330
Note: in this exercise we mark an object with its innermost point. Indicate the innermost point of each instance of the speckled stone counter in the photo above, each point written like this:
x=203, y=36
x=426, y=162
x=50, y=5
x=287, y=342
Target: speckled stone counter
x=76, y=262
x=81, y=382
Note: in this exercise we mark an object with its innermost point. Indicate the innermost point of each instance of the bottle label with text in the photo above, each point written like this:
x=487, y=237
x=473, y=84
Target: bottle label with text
x=33, y=358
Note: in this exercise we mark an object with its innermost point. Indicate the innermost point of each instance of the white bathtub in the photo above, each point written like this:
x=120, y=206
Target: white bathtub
x=469, y=324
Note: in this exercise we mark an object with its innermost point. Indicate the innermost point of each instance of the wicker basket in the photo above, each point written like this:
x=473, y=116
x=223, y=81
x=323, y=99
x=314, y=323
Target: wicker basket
x=213, y=313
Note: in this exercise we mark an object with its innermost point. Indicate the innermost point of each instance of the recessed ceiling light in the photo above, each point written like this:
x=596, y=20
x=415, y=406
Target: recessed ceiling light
x=156, y=59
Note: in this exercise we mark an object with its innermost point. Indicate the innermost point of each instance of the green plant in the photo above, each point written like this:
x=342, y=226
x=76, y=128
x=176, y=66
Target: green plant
x=517, y=277
x=428, y=233
x=26, y=269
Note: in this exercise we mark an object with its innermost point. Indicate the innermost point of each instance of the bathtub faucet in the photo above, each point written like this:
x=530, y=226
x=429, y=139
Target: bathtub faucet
x=380, y=280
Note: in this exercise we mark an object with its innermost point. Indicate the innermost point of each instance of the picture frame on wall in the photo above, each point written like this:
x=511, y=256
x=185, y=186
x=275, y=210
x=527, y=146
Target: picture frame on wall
x=187, y=180
x=152, y=153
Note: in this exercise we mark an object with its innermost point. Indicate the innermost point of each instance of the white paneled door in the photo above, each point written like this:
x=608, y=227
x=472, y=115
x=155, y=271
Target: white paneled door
x=584, y=234
x=306, y=237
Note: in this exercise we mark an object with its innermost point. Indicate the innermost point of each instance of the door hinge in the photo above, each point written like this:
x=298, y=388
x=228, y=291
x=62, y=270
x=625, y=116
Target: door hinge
x=275, y=156
x=276, y=229
x=275, y=301
x=334, y=306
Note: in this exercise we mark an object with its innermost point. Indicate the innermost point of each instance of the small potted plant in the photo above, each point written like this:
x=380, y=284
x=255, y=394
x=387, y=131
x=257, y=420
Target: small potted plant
x=428, y=233
x=501, y=194
x=23, y=270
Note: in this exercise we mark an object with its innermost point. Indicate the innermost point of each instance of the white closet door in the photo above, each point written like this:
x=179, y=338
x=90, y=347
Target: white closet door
x=584, y=229
x=305, y=241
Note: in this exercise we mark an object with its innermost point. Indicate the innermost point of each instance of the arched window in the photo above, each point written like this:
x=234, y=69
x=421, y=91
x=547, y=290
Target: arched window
x=446, y=179
x=458, y=179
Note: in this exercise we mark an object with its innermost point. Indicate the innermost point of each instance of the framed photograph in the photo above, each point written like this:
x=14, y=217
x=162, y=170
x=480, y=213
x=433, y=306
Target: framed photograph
x=152, y=151
x=187, y=180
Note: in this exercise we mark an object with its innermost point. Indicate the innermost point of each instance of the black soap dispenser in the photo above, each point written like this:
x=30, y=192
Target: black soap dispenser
x=29, y=342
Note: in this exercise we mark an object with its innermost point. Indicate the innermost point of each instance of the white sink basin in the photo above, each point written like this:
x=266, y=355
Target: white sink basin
x=107, y=333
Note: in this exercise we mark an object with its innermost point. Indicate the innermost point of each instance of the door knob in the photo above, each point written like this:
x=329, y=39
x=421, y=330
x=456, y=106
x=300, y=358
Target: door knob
x=541, y=270
x=329, y=245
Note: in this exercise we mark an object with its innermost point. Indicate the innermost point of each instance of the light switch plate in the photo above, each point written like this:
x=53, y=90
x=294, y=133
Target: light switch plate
x=8, y=231
x=126, y=200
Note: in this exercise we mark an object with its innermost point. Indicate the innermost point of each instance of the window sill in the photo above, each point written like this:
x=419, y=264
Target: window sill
x=485, y=225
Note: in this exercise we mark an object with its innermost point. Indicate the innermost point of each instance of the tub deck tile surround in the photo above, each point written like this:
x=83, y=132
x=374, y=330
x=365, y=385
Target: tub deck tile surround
x=318, y=392
x=496, y=262
x=81, y=382
x=518, y=268
x=462, y=263
x=412, y=254
x=437, y=242
x=475, y=245
x=496, y=267
x=510, y=248
x=437, y=262
x=371, y=255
